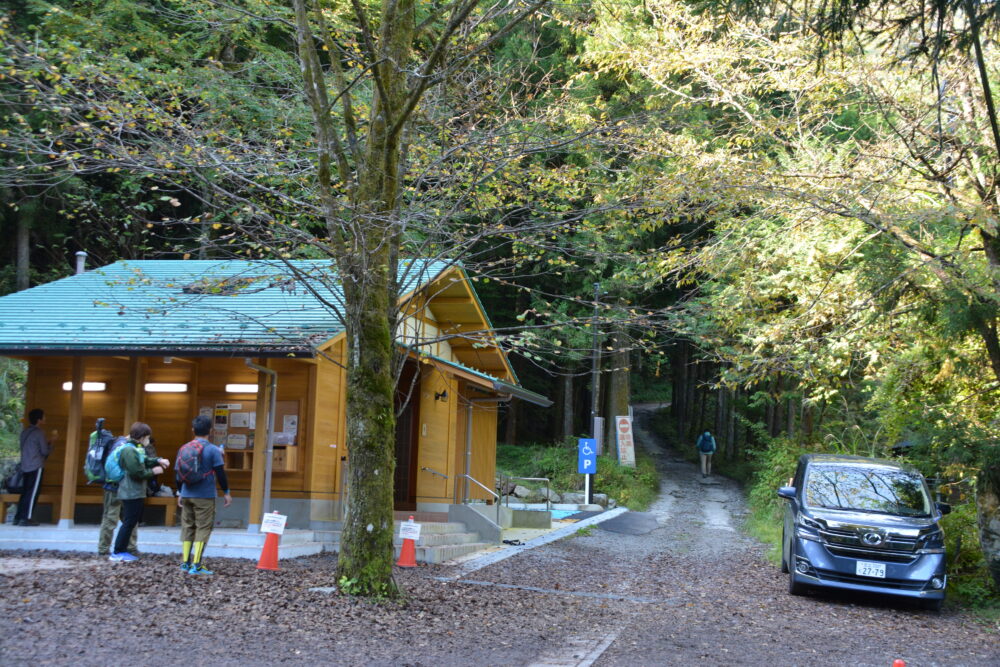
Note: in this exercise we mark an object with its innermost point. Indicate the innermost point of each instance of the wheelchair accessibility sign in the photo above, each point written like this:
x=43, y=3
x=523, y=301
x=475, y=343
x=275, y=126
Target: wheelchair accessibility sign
x=587, y=456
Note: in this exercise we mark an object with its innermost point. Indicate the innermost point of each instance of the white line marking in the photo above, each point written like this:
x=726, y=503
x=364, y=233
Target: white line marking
x=577, y=650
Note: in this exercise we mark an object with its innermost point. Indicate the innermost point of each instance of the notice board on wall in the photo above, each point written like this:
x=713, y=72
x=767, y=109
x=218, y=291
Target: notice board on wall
x=235, y=423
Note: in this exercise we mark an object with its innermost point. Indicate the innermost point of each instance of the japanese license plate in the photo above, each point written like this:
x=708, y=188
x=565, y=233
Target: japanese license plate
x=867, y=569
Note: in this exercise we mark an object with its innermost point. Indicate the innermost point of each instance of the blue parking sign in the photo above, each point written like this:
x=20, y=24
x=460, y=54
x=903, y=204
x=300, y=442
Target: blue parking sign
x=587, y=459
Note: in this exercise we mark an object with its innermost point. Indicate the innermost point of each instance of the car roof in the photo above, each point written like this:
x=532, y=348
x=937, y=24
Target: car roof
x=848, y=460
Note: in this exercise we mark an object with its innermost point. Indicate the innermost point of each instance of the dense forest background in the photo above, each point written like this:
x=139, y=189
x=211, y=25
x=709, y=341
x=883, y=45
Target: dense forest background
x=781, y=220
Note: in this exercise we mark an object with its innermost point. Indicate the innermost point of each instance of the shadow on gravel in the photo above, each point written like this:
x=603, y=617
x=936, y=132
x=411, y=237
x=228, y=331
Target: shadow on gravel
x=630, y=523
x=866, y=600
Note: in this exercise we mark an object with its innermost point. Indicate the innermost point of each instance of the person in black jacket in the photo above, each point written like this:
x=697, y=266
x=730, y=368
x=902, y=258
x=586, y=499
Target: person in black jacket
x=35, y=448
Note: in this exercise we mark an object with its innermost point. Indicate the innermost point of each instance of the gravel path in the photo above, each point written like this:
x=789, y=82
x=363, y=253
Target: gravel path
x=675, y=585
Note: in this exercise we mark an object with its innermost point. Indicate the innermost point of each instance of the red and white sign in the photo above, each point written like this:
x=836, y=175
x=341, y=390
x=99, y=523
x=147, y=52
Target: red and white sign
x=626, y=445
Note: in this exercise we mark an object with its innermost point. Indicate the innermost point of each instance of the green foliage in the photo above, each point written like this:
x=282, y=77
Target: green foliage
x=773, y=467
x=634, y=488
x=13, y=375
x=586, y=531
x=378, y=590
x=650, y=389
x=968, y=578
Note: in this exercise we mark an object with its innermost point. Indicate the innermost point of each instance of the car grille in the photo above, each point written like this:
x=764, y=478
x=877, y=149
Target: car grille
x=900, y=584
x=847, y=543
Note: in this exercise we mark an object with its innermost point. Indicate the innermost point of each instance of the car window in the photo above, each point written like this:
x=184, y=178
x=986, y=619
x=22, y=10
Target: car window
x=868, y=489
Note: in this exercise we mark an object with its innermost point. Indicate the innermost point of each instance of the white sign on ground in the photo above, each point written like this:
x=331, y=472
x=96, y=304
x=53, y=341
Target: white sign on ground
x=626, y=445
x=409, y=530
x=273, y=523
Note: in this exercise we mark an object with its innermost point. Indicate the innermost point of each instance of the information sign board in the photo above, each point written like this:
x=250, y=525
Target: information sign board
x=626, y=444
x=273, y=523
x=409, y=530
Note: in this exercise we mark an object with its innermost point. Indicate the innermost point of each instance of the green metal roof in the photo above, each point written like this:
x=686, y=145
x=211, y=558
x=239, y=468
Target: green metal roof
x=194, y=307
x=499, y=385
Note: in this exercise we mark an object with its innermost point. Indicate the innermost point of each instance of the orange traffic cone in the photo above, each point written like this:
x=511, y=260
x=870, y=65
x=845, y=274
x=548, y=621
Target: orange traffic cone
x=269, y=554
x=408, y=554
x=898, y=663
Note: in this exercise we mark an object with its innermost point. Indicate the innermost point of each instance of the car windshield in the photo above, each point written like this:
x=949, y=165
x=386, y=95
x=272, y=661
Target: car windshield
x=867, y=489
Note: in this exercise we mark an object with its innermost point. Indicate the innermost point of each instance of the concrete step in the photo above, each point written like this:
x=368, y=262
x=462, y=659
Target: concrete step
x=440, y=554
x=427, y=539
x=437, y=527
x=224, y=543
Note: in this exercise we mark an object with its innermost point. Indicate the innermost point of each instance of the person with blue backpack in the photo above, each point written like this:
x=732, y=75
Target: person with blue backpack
x=706, y=447
x=130, y=468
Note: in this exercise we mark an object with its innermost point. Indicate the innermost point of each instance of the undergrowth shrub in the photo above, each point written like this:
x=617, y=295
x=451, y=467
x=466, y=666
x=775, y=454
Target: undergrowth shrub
x=635, y=487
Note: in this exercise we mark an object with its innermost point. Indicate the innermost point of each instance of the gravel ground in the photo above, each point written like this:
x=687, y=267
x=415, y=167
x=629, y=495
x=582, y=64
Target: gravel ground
x=690, y=587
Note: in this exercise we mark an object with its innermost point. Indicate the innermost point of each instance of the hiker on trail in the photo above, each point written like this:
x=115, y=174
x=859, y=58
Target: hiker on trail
x=706, y=447
x=199, y=466
x=138, y=468
x=34, y=449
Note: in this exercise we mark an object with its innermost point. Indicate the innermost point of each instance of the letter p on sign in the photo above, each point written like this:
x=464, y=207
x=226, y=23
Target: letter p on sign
x=587, y=456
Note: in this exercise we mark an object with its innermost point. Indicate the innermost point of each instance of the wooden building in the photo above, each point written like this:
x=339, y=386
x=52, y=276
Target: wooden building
x=161, y=341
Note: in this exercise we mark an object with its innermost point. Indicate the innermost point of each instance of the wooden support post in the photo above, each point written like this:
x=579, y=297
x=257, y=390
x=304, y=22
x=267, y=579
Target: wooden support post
x=134, y=395
x=259, y=449
x=71, y=459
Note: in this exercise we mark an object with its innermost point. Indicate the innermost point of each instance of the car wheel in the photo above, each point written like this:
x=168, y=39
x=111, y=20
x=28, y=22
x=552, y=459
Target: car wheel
x=784, y=562
x=794, y=587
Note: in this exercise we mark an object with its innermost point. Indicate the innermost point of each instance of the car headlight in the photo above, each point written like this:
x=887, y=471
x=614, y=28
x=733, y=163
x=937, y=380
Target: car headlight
x=932, y=543
x=807, y=528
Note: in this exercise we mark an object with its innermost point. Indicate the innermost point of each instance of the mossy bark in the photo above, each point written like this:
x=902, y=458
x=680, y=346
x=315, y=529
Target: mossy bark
x=988, y=511
x=366, y=553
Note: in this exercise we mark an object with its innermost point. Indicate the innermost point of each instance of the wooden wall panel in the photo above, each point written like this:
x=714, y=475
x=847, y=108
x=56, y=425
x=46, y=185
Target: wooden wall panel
x=169, y=414
x=45, y=378
x=328, y=403
x=484, y=447
x=436, y=441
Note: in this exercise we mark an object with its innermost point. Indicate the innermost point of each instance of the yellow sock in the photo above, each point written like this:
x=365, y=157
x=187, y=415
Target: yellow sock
x=198, y=548
x=185, y=551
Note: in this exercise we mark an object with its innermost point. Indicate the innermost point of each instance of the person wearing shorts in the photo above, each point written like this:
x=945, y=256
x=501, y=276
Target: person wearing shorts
x=197, y=499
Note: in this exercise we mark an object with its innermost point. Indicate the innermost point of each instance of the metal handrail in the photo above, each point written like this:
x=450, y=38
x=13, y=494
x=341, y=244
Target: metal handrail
x=480, y=485
x=433, y=472
x=548, y=491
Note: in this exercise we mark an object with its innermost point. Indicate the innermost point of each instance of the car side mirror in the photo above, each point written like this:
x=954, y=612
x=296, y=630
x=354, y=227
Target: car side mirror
x=787, y=492
x=944, y=508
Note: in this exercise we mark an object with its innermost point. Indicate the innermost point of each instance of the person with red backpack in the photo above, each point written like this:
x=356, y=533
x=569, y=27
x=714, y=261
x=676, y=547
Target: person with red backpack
x=199, y=465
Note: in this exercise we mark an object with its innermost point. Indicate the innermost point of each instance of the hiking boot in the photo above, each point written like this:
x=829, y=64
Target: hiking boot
x=199, y=569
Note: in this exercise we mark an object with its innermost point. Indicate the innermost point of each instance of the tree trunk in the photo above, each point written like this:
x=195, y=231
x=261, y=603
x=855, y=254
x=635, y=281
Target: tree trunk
x=617, y=395
x=988, y=507
x=790, y=417
x=366, y=549
x=731, y=397
x=565, y=408
x=771, y=412
x=510, y=428
x=720, y=418
x=23, y=265
x=807, y=422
